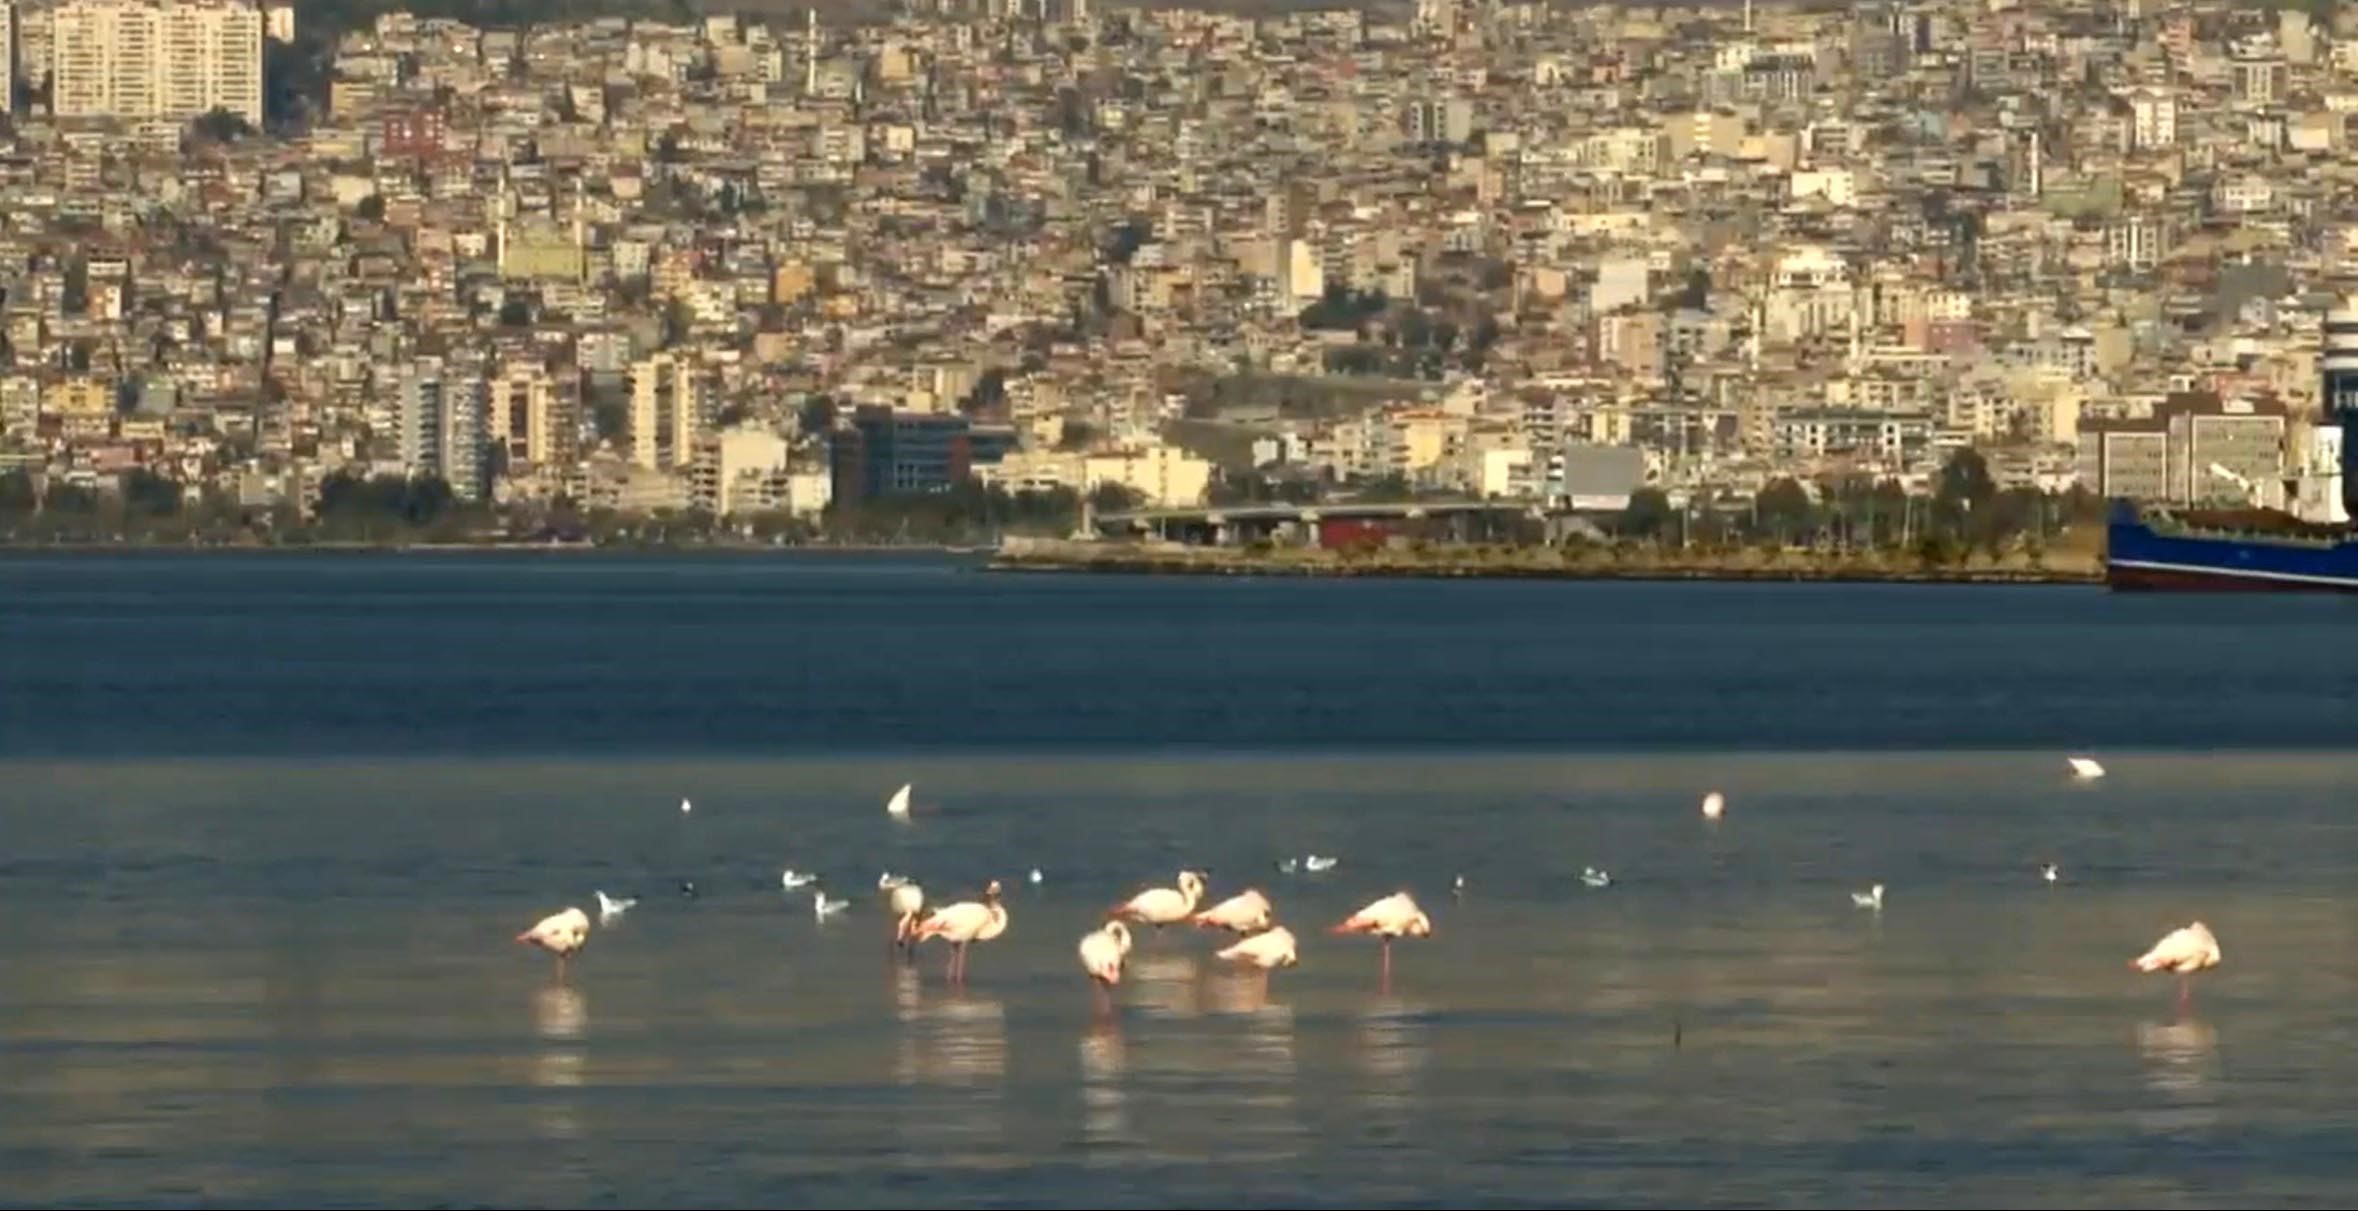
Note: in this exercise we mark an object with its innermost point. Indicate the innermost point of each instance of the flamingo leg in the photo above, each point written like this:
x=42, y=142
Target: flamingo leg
x=1387, y=962
x=2185, y=991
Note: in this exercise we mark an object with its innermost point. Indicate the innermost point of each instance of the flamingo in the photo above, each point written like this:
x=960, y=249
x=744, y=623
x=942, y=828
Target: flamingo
x=1103, y=950
x=906, y=900
x=1160, y=906
x=1715, y=805
x=1394, y=916
x=2182, y=952
x=1270, y=948
x=1245, y=912
x=561, y=934
x=964, y=923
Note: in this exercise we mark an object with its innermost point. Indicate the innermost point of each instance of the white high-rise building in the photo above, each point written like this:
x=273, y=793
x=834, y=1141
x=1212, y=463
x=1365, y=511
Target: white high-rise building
x=439, y=426
x=171, y=59
x=7, y=56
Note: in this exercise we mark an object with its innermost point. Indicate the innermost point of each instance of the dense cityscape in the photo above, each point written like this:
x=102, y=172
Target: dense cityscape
x=962, y=267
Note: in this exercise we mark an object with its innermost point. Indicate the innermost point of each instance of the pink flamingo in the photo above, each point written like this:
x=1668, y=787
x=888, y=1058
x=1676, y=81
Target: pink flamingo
x=561, y=934
x=2182, y=952
x=963, y=923
x=1271, y=948
x=1247, y=911
x=1103, y=951
x=1394, y=916
x=1160, y=906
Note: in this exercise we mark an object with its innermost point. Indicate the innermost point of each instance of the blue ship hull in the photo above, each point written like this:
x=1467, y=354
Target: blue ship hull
x=2137, y=556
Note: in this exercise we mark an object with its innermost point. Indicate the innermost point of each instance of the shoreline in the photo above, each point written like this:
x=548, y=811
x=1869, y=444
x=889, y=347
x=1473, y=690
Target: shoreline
x=1137, y=561
x=487, y=548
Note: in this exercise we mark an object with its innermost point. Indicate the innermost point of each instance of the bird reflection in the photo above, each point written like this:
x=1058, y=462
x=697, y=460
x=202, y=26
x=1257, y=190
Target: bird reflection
x=1105, y=1119
x=560, y=1016
x=2179, y=1056
x=559, y=1012
x=1237, y=992
x=1393, y=1049
x=959, y=1038
x=1164, y=985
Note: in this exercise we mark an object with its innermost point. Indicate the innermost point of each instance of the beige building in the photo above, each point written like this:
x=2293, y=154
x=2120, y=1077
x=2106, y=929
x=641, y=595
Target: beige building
x=666, y=412
x=171, y=59
x=524, y=415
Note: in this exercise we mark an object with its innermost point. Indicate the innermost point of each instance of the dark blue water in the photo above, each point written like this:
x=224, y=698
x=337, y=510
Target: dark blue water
x=564, y=654
x=267, y=826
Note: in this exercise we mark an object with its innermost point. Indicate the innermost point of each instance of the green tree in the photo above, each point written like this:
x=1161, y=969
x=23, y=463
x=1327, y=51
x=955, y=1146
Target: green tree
x=1784, y=510
x=147, y=494
x=1647, y=515
x=218, y=125
x=1964, y=492
x=18, y=496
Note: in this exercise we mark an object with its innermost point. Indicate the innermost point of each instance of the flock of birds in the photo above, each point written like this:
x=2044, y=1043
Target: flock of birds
x=1248, y=916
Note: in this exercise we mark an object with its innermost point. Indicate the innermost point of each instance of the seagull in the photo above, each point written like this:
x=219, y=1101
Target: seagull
x=686, y=807
x=898, y=806
x=562, y=934
x=1287, y=866
x=610, y=908
x=2085, y=768
x=687, y=889
x=2050, y=872
x=795, y=880
x=1318, y=866
x=1458, y=888
x=887, y=880
x=1872, y=898
x=1036, y=876
x=1595, y=878
x=1715, y=805
x=823, y=908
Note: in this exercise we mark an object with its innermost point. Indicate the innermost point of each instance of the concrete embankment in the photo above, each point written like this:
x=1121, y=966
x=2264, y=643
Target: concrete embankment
x=1523, y=563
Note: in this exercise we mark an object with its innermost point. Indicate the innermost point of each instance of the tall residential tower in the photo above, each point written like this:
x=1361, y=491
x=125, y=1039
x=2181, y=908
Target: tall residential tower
x=149, y=59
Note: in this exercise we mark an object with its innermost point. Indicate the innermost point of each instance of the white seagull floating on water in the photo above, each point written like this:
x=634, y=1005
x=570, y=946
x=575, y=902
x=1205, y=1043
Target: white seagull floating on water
x=823, y=908
x=795, y=880
x=1872, y=898
x=1595, y=878
x=610, y=908
x=2050, y=872
x=1318, y=865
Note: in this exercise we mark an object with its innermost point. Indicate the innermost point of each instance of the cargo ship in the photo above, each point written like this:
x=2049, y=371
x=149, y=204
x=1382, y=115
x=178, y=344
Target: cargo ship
x=2227, y=550
x=2254, y=548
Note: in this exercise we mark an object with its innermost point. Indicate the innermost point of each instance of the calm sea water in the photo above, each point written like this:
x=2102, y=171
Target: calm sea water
x=268, y=824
